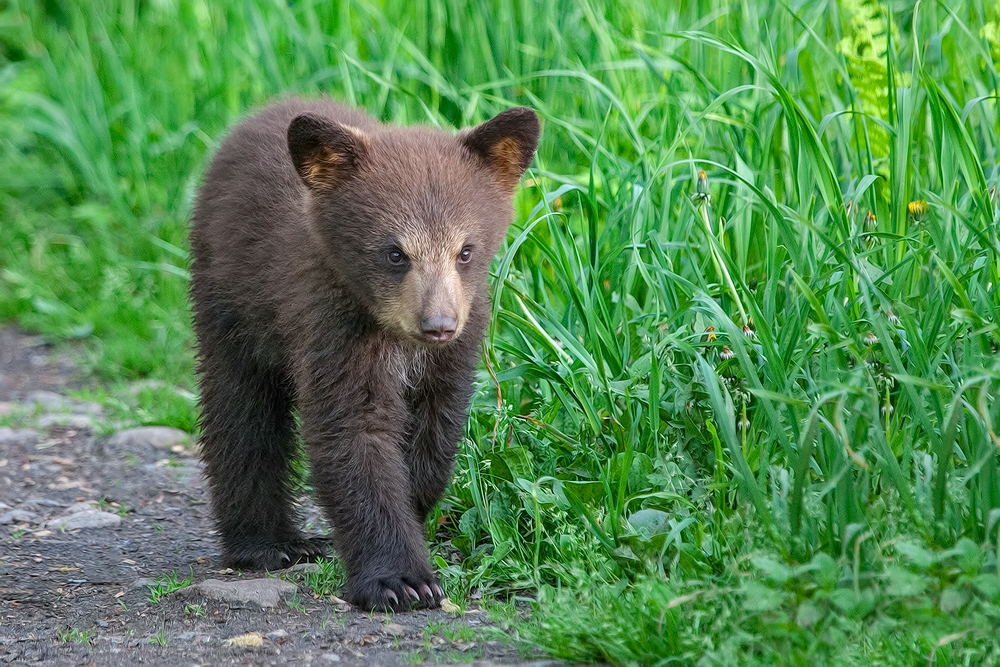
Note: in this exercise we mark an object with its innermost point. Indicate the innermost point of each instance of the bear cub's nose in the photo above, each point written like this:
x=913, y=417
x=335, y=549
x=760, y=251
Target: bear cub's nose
x=439, y=328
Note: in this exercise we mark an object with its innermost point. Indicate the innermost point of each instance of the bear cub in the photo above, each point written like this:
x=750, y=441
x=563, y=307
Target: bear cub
x=339, y=269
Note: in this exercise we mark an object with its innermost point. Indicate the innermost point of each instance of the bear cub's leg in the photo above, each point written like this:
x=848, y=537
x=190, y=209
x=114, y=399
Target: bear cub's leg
x=248, y=445
x=355, y=431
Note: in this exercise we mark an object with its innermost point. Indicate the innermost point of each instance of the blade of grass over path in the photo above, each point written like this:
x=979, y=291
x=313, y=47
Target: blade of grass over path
x=747, y=416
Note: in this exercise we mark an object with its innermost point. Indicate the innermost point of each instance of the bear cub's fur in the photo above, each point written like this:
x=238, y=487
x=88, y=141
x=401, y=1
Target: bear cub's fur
x=339, y=269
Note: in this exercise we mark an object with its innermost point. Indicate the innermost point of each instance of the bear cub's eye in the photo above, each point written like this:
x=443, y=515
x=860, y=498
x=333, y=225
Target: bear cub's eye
x=465, y=256
x=396, y=257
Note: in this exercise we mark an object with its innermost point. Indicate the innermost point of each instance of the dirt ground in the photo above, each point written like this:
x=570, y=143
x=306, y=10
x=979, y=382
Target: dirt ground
x=81, y=596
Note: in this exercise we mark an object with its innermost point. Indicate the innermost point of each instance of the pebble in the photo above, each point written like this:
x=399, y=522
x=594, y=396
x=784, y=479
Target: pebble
x=277, y=635
x=48, y=400
x=76, y=421
x=89, y=518
x=44, y=502
x=330, y=657
x=265, y=593
x=162, y=437
x=76, y=508
x=18, y=515
x=394, y=630
x=17, y=436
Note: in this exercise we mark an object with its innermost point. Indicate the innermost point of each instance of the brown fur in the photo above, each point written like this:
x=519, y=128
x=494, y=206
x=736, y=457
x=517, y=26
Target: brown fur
x=300, y=303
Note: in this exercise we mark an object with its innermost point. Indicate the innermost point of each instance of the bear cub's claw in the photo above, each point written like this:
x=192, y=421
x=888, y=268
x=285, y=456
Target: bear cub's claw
x=394, y=593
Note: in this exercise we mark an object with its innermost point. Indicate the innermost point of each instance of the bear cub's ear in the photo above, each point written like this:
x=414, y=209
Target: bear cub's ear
x=506, y=143
x=324, y=152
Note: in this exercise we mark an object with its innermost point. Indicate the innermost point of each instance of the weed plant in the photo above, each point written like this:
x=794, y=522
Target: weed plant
x=738, y=395
x=166, y=584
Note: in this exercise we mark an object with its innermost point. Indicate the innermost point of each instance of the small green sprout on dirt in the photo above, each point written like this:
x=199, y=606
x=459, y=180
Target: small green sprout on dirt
x=76, y=636
x=166, y=585
x=160, y=638
x=295, y=604
x=195, y=610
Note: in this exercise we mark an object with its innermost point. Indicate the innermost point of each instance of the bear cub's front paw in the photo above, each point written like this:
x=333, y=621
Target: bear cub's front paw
x=396, y=592
x=275, y=555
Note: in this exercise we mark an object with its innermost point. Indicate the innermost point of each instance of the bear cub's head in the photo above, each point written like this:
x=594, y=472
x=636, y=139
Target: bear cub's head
x=409, y=218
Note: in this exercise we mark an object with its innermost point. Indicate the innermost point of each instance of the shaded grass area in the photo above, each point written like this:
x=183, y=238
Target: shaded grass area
x=738, y=396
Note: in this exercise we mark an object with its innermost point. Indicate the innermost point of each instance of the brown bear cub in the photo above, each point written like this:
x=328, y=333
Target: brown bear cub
x=340, y=269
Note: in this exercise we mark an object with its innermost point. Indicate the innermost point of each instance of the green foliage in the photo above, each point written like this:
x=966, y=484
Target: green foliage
x=775, y=616
x=327, y=579
x=76, y=636
x=747, y=416
x=151, y=403
x=195, y=610
x=167, y=584
x=160, y=638
x=866, y=49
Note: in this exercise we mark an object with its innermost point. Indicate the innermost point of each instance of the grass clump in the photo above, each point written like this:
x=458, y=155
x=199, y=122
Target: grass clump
x=167, y=584
x=737, y=399
x=327, y=579
x=77, y=636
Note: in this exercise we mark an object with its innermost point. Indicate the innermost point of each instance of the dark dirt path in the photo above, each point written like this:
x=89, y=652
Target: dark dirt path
x=80, y=595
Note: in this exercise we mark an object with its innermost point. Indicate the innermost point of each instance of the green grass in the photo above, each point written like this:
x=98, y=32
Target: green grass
x=730, y=419
x=166, y=584
x=327, y=579
x=76, y=636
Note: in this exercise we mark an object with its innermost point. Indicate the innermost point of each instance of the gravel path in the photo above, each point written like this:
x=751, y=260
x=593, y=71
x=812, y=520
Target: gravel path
x=88, y=523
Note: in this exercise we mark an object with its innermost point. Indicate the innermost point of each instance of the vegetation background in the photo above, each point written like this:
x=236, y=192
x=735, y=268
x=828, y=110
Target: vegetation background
x=740, y=417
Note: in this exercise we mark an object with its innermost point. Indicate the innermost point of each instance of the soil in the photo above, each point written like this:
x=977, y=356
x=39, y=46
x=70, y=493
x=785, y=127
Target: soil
x=82, y=596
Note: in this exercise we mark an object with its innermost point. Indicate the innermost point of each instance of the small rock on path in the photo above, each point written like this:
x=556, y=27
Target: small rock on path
x=265, y=593
x=159, y=437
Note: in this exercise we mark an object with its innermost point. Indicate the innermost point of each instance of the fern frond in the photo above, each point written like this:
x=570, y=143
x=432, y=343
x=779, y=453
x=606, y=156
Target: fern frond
x=865, y=49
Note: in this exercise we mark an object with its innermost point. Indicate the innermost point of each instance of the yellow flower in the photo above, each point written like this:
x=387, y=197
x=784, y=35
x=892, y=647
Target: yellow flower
x=917, y=209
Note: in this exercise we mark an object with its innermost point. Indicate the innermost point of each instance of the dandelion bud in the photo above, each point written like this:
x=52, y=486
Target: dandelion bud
x=710, y=334
x=917, y=209
x=749, y=331
x=726, y=353
x=892, y=317
x=871, y=224
x=702, y=183
x=870, y=338
x=701, y=193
